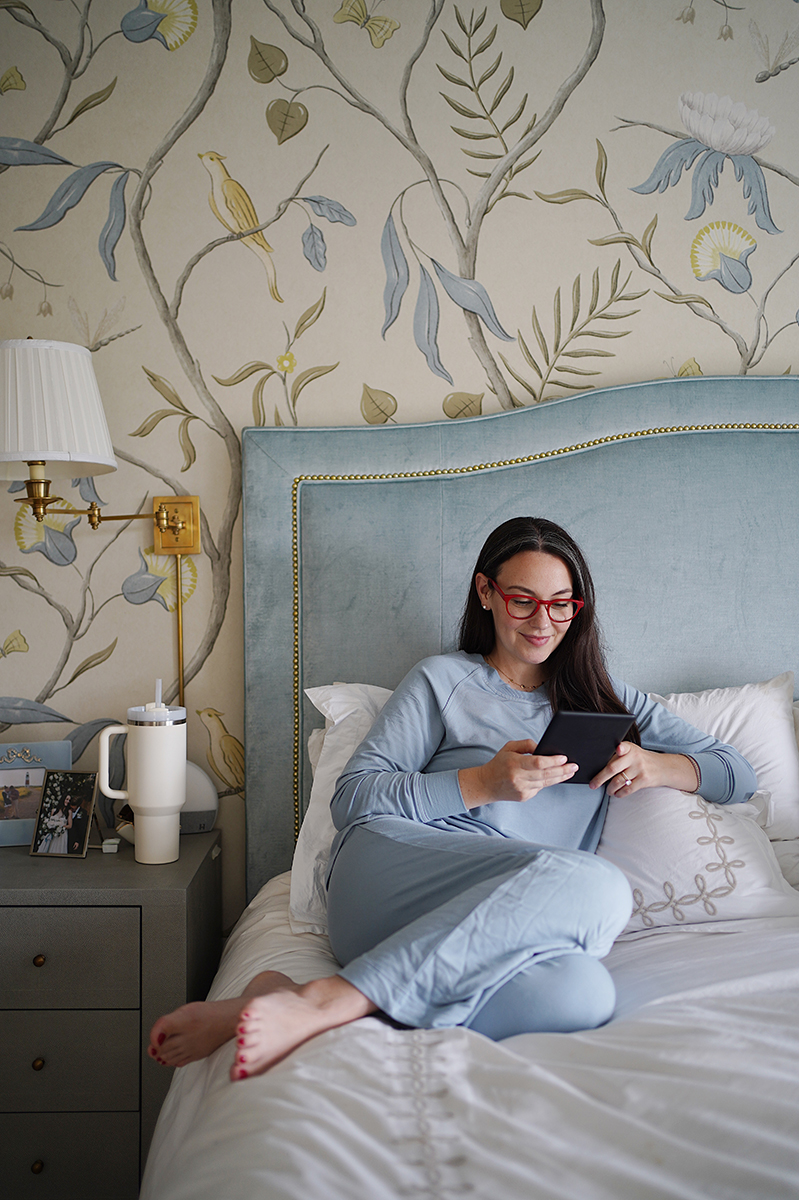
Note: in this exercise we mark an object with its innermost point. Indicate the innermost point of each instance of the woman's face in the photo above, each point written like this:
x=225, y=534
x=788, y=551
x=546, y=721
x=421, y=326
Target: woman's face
x=523, y=646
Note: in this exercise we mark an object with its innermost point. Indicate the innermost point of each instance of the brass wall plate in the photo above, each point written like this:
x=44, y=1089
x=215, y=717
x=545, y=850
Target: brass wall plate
x=178, y=541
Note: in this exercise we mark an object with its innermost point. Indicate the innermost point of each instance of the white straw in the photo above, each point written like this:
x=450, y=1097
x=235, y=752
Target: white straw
x=158, y=693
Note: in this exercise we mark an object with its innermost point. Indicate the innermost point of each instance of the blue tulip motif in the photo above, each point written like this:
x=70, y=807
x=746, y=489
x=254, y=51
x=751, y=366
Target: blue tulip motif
x=169, y=22
x=720, y=251
x=143, y=585
x=51, y=537
x=156, y=580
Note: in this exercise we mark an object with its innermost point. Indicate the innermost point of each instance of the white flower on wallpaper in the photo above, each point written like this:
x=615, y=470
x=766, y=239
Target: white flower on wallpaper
x=724, y=126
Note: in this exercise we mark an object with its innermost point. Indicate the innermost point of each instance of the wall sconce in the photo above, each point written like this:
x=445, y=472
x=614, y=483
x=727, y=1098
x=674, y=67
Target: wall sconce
x=52, y=419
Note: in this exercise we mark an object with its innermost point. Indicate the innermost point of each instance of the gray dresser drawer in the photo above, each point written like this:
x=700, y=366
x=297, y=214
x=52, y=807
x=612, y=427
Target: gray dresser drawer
x=70, y=1061
x=69, y=957
x=78, y=1156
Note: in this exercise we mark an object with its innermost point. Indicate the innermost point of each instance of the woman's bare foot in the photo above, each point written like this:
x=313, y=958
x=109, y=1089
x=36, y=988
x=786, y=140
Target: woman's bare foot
x=273, y=1025
x=195, y=1030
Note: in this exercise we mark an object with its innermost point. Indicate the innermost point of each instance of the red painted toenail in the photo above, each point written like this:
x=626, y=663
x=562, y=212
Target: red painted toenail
x=239, y=1041
x=241, y=1074
x=241, y=1058
x=161, y=1039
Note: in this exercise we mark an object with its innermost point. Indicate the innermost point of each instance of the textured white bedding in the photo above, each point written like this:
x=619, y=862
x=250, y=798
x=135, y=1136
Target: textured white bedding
x=691, y=1091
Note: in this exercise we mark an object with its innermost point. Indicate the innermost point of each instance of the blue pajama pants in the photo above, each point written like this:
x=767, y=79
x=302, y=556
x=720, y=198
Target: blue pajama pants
x=442, y=928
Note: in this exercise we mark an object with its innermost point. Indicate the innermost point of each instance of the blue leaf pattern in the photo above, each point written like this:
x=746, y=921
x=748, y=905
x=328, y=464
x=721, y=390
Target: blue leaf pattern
x=471, y=296
x=142, y=586
x=754, y=190
x=681, y=155
x=314, y=248
x=57, y=545
x=112, y=230
x=15, y=710
x=87, y=490
x=70, y=193
x=705, y=179
x=16, y=152
x=425, y=324
x=669, y=166
x=397, y=274
x=331, y=209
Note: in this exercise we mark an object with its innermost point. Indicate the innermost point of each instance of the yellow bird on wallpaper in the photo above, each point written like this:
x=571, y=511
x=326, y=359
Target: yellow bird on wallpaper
x=227, y=196
x=225, y=752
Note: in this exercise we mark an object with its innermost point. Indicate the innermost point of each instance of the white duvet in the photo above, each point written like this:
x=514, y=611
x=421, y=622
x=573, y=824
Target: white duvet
x=691, y=1091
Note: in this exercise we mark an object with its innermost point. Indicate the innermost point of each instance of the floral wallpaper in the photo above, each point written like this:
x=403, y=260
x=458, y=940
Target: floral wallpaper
x=327, y=212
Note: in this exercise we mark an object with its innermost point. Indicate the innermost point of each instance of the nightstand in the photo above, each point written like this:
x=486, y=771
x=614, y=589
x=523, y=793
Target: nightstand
x=92, y=951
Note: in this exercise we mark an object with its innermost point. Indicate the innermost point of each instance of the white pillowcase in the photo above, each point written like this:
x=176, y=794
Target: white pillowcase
x=349, y=710
x=758, y=720
x=690, y=862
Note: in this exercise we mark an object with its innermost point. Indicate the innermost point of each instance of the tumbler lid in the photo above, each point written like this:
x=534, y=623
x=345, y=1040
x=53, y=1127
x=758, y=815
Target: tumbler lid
x=156, y=713
x=148, y=714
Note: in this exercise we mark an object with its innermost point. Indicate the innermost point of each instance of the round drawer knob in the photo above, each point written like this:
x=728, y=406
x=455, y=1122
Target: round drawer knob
x=37, y=1064
x=39, y=960
x=37, y=1167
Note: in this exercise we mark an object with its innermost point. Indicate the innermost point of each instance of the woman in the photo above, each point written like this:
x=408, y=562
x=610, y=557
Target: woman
x=55, y=840
x=463, y=885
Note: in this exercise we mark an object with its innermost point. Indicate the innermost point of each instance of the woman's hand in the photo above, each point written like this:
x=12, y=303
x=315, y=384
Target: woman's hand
x=515, y=773
x=633, y=768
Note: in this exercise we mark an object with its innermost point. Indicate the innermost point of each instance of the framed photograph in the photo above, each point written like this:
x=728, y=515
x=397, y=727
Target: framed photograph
x=22, y=770
x=64, y=819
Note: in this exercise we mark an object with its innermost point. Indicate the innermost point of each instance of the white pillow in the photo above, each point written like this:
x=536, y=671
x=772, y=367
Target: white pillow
x=758, y=720
x=689, y=861
x=349, y=710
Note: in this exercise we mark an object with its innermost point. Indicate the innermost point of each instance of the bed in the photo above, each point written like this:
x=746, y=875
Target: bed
x=358, y=546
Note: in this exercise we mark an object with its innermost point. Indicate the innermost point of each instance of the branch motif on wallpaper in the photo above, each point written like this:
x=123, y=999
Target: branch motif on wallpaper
x=170, y=23
x=785, y=55
x=719, y=130
x=486, y=98
x=285, y=364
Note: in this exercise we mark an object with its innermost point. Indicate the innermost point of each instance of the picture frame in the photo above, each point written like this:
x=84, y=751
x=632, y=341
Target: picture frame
x=22, y=769
x=66, y=811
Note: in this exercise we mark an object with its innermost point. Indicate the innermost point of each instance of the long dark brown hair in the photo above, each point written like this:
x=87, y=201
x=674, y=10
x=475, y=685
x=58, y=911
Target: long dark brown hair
x=578, y=679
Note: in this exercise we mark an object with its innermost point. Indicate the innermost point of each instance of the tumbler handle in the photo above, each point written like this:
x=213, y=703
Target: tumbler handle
x=102, y=766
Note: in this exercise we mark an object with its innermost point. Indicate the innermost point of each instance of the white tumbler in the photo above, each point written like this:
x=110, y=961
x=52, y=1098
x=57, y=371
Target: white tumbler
x=156, y=759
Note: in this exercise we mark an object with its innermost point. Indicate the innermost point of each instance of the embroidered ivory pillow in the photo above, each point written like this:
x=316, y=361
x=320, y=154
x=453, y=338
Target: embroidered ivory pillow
x=689, y=861
x=758, y=720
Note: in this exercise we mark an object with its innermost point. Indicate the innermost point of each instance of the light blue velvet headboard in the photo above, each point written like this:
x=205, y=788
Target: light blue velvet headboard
x=359, y=544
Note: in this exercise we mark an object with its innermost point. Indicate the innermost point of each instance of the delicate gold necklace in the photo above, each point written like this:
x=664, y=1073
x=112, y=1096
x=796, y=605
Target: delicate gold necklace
x=515, y=682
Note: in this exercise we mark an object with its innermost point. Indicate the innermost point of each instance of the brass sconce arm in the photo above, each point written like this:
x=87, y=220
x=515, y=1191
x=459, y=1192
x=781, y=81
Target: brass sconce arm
x=176, y=519
x=161, y=517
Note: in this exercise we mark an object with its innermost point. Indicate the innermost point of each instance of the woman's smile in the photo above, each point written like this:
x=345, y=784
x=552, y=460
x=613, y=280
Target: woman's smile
x=522, y=647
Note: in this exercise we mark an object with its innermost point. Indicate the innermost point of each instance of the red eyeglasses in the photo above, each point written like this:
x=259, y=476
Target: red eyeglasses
x=522, y=607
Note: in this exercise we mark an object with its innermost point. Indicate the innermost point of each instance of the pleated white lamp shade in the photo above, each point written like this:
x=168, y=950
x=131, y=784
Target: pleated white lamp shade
x=50, y=409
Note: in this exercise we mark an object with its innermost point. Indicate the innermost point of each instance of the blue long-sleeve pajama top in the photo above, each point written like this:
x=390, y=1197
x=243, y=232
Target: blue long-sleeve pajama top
x=454, y=711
